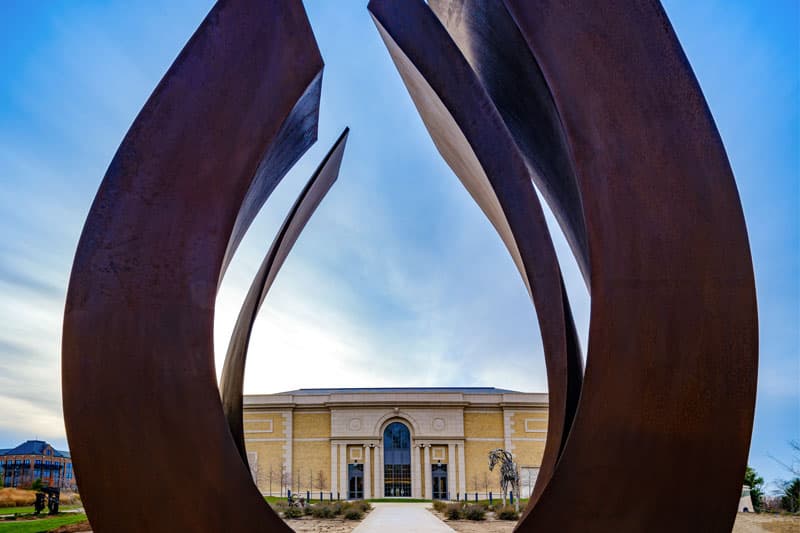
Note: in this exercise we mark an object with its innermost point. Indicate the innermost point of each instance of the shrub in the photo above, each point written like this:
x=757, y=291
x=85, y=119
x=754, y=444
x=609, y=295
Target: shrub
x=68, y=497
x=293, y=512
x=507, y=513
x=279, y=506
x=790, y=500
x=475, y=512
x=353, y=514
x=439, y=505
x=307, y=510
x=323, y=511
x=453, y=511
x=361, y=505
x=37, y=484
x=11, y=497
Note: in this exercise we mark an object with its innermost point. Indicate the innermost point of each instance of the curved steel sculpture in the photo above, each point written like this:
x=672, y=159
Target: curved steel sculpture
x=628, y=157
x=141, y=402
x=595, y=104
x=473, y=139
x=231, y=384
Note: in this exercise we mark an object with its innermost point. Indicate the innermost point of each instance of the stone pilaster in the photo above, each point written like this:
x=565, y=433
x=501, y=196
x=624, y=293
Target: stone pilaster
x=343, y=471
x=462, y=472
x=451, y=471
x=367, y=471
x=379, y=492
x=428, y=476
x=414, y=470
x=334, y=470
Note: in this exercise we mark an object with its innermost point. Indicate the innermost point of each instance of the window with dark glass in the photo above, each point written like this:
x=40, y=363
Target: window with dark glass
x=396, y=461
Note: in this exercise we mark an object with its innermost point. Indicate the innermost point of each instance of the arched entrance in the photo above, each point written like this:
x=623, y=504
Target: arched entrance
x=397, y=461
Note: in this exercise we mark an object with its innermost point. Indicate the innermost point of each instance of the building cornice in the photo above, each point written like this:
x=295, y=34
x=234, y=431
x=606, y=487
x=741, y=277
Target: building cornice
x=362, y=400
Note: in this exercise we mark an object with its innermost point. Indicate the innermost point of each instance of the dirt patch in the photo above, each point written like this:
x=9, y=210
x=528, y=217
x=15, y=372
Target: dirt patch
x=486, y=526
x=745, y=523
x=320, y=525
x=490, y=525
x=766, y=523
x=80, y=527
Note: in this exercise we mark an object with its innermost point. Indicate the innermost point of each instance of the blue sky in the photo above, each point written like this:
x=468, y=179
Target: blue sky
x=398, y=279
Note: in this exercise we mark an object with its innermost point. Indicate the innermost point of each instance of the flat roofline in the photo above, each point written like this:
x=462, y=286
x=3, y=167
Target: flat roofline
x=445, y=397
x=378, y=390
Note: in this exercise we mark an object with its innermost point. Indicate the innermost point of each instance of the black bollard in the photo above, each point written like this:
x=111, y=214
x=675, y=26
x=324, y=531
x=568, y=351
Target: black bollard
x=490, y=498
x=331, y=496
x=320, y=495
x=289, y=495
x=476, y=496
x=511, y=497
x=308, y=496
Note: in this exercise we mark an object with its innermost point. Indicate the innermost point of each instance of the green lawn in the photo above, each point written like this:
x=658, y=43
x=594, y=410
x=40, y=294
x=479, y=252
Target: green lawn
x=40, y=525
x=28, y=509
x=397, y=500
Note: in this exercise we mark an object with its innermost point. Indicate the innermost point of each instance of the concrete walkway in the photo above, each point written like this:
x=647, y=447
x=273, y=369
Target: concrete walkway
x=402, y=518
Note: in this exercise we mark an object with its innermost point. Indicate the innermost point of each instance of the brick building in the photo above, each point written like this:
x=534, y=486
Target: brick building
x=36, y=459
x=392, y=442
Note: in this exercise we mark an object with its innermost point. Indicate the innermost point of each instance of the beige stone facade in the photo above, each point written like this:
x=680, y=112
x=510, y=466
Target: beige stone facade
x=399, y=442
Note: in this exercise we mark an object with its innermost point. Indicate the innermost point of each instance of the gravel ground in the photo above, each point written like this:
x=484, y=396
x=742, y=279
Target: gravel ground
x=320, y=525
x=745, y=523
x=759, y=523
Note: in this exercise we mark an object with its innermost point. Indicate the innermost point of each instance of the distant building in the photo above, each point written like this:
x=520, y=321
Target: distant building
x=36, y=459
x=428, y=443
x=745, y=502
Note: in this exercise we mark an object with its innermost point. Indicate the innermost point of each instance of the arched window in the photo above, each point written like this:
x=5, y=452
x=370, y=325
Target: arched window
x=397, y=460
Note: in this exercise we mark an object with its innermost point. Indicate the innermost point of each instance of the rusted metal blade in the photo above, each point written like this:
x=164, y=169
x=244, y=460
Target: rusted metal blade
x=150, y=442
x=232, y=380
x=472, y=137
x=628, y=147
x=667, y=401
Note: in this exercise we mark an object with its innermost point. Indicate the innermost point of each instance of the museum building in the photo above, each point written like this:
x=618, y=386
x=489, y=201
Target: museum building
x=430, y=443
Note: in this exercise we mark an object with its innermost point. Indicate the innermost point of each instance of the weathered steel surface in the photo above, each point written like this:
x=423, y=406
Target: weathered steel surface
x=669, y=389
x=150, y=442
x=495, y=49
x=232, y=381
x=472, y=137
x=603, y=104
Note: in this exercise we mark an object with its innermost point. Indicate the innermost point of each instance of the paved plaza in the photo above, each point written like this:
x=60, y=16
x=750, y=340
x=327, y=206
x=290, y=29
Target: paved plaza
x=402, y=518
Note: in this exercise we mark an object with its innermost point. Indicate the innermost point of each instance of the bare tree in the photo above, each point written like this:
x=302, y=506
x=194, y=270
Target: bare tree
x=286, y=479
x=474, y=483
x=321, y=482
x=793, y=466
x=486, y=482
x=273, y=476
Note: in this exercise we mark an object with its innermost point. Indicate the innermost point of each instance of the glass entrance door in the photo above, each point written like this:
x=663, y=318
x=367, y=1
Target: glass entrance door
x=355, y=489
x=439, y=477
x=396, y=461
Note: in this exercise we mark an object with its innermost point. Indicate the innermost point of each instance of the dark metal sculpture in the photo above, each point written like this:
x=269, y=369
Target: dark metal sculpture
x=594, y=103
x=472, y=137
x=509, y=473
x=141, y=403
x=232, y=380
x=602, y=106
